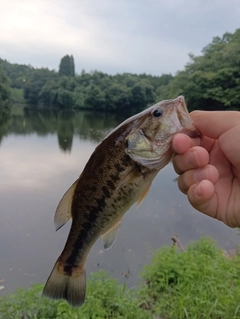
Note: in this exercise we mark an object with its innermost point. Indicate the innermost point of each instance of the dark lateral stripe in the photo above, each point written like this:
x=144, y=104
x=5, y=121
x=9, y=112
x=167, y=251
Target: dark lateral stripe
x=115, y=178
x=68, y=270
x=77, y=245
x=110, y=184
x=100, y=171
x=93, y=188
x=101, y=203
x=88, y=228
x=118, y=167
x=106, y=191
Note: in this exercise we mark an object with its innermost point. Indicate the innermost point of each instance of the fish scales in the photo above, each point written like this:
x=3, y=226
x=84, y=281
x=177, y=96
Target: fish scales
x=94, y=203
x=118, y=174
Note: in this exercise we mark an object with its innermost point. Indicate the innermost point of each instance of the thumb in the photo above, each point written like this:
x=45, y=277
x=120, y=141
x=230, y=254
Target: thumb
x=214, y=123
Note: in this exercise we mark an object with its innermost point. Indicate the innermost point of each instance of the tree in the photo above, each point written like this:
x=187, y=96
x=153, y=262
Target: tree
x=66, y=66
x=4, y=87
x=5, y=93
x=210, y=81
x=138, y=97
x=117, y=98
x=5, y=96
x=95, y=98
x=34, y=84
x=17, y=73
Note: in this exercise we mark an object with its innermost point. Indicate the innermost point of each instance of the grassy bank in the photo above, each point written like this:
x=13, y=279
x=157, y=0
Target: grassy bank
x=197, y=283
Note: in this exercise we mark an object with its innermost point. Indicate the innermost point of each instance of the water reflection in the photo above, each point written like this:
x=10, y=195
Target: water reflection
x=42, y=153
x=65, y=130
x=87, y=125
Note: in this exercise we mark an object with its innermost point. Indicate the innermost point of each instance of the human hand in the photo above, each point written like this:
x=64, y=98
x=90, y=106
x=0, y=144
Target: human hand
x=209, y=166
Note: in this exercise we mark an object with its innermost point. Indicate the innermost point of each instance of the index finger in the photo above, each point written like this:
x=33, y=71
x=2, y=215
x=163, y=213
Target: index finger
x=182, y=142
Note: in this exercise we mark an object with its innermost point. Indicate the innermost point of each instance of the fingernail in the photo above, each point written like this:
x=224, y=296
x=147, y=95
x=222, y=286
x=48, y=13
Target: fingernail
x=198, y=190
x=191, y=158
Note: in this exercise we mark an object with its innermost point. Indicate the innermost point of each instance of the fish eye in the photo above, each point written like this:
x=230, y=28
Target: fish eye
x=157, y=113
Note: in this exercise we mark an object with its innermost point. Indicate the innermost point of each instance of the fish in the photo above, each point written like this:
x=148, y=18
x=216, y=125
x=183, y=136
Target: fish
x=118, y=174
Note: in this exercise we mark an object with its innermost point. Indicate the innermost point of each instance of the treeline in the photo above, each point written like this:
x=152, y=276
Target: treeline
x=5, y=95
x=210, y=81
x=95, y=90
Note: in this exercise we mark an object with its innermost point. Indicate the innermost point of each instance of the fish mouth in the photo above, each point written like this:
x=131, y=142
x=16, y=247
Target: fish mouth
x=182, y=120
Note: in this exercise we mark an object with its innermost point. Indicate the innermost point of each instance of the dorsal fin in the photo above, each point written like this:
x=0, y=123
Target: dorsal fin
x=64, y=210
x=110, y=236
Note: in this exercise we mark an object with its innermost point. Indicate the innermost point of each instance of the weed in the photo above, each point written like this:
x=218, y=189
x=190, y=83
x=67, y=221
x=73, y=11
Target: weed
x=199, y=283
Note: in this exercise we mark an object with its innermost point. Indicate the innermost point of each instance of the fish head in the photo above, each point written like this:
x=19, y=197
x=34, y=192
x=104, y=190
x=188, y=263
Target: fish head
x=149, y=141
x=167, y=118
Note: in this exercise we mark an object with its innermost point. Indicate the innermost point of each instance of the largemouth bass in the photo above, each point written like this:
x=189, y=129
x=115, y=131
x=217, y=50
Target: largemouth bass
x=118, y=174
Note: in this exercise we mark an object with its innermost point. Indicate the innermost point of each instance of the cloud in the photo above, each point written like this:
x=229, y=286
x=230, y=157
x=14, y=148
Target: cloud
x=26, y=173
x=113, y=36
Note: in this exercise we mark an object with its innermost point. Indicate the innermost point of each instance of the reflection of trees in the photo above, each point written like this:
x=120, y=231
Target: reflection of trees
x=87, y=125
x=32, y=121
x=65, y=130
x=93, y=125
x=4, y=123
x=41, y=122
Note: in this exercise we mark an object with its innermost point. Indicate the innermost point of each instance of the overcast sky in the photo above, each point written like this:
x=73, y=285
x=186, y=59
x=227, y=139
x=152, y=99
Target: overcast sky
x=113, y=36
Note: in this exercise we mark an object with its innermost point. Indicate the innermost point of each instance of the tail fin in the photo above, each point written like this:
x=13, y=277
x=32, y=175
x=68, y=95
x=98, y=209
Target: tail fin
x=61, y=286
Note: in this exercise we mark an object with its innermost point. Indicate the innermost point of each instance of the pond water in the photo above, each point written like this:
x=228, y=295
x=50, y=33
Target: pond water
x=41, y=154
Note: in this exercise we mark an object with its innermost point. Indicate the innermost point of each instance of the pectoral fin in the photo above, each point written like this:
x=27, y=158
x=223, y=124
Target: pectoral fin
x=129, y=178
x=143, y=195
x=110, y=236
x=64, y=209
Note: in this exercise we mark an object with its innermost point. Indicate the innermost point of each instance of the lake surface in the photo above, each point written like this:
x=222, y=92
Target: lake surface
x=41, y=154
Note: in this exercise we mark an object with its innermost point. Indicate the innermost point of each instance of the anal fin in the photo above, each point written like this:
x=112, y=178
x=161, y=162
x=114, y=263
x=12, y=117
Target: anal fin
x=110, y=236
x=64, y=209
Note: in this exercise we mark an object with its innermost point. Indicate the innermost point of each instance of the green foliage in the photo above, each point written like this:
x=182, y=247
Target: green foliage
x=5, y=96
x=94, y=98
x=210, y=81
x=91, y=91
x=17, y=73
x=100, y=91
x=35, y=82
x=105, y=299
x=197, y=283
x=66, y=66
x=17, y=96
x=26, y=304
x=4, y=87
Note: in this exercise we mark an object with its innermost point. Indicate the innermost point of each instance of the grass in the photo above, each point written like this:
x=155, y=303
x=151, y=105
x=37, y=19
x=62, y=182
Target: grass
x=105, y=299
x=197, y=283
